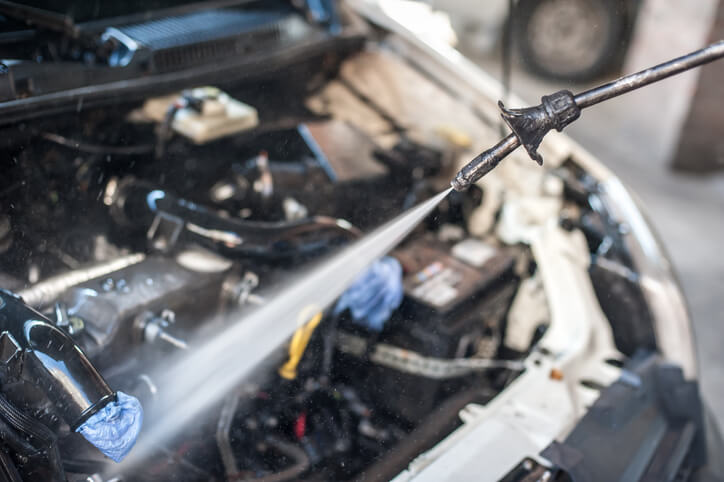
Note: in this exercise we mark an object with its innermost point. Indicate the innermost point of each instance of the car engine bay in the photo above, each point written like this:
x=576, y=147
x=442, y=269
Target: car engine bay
x=138, y=230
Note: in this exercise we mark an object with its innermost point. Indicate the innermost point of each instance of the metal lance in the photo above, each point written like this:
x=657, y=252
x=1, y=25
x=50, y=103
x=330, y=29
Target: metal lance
x=556, y=111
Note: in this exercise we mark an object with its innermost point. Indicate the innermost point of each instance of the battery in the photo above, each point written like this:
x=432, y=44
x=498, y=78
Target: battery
x=451, y=309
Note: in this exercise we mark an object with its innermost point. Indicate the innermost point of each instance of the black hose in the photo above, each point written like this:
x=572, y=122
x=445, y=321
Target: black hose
x=301, y=463
x=97, y=148
x=26, y=424
x=13, y=440
x=8, y=471
x=82, y=466
x=139, y=205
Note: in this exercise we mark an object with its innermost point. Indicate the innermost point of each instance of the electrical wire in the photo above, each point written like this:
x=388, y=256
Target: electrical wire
x=299, y=456
x=96, y=148
x=408, y=361
x=24, y=423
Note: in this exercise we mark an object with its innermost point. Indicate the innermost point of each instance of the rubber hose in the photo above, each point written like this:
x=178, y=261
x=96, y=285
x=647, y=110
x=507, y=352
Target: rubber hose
x=24, y=423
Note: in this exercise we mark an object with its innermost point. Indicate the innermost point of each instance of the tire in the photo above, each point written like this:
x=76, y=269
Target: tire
x=575, y=40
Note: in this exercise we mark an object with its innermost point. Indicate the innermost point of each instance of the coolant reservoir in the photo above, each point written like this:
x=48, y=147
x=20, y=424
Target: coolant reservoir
x=210, y=114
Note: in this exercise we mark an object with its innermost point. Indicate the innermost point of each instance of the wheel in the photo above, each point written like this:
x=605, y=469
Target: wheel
x=570, y=39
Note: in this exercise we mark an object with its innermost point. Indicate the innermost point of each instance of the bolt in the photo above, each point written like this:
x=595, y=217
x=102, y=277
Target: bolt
x=152, y=328
x=76, y=325
x=122, y=286
x=168, y=316
x=108, y=285
x=177, y=342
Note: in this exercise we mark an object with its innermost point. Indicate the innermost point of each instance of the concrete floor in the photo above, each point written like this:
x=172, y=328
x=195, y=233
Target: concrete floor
x=630, y=136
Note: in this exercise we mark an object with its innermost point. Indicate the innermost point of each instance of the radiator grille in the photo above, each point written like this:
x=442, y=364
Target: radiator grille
x=177, y=42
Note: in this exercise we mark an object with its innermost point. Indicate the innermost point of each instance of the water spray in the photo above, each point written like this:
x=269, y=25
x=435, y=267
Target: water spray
x=208, y=373
x=204, y=376
x=556, y=111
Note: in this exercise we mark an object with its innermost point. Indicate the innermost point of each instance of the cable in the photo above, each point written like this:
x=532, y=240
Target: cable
x=408, y=361
x=10, y=437
x=164, y=130
x=301, y=463
x=8, y=471
x=26, y=424
x=186, y=100
x=96, y=148
x=223, y=429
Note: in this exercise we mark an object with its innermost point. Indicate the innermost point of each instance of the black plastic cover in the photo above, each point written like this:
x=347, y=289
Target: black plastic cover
x=648, y=425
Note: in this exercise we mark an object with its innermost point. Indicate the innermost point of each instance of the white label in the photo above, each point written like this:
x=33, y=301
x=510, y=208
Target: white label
x=473, y=252
x=439, y=285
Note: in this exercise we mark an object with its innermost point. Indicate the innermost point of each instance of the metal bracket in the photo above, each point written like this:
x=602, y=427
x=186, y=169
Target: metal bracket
x=164, y=232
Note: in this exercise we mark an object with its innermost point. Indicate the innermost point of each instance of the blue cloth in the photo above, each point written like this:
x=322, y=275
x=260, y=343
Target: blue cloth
x=374, y=295
x=115, y=427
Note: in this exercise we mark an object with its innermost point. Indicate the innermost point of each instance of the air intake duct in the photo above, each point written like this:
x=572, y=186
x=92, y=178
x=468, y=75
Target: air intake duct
x=51, y=360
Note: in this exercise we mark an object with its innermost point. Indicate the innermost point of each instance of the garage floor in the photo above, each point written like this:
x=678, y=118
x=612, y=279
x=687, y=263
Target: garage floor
x=627, y=135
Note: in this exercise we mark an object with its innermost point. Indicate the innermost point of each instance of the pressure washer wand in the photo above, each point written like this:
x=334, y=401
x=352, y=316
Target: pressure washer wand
x=556, y=111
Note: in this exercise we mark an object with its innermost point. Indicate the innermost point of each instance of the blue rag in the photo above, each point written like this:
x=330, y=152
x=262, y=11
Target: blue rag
x=374, y=295
x=115, y=427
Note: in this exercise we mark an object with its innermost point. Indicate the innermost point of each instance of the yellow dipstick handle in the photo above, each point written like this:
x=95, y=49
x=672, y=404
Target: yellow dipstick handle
x=299, y=343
